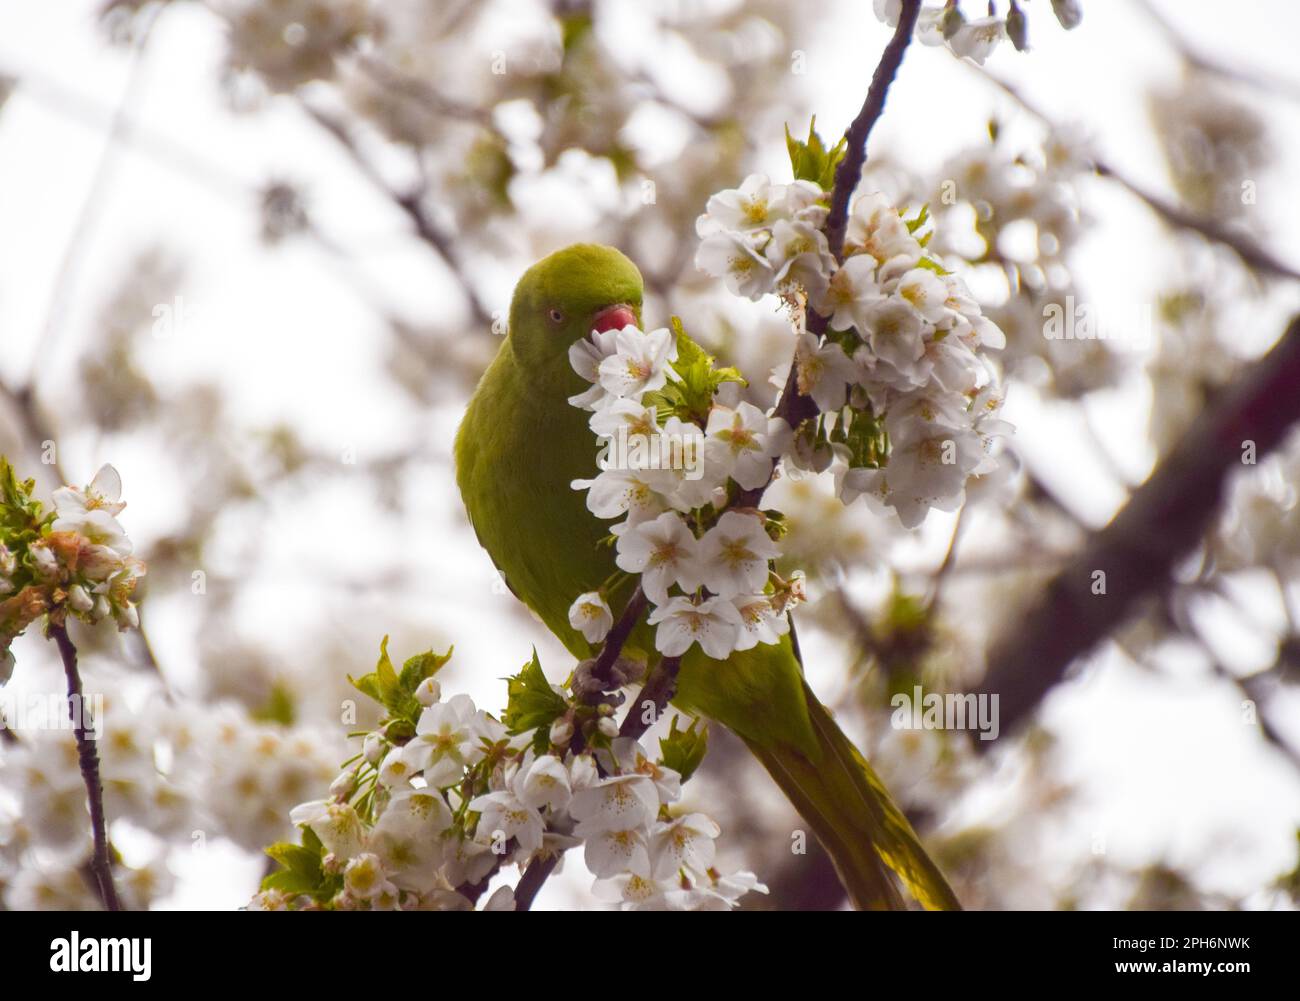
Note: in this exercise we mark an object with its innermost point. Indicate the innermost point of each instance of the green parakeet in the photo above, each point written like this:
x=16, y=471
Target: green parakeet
x=521, y=445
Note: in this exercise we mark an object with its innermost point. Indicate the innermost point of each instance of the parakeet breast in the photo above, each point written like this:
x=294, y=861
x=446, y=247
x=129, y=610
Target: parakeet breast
x=518, y=450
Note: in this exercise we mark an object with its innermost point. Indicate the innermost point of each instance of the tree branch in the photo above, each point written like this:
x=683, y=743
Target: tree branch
x=793, y=407
x=1269, y=83
x=540, y=869
x=1242, y=245
x=412, y=204
x=849, y=171
x=1163, y=520
x=659, y=688
x=88, y=758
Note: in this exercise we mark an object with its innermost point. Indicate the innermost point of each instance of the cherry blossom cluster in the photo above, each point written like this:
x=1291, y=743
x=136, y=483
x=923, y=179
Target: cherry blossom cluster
x=190, y=774
x=706, y=570
x=974, y=38
x=907, y=403
x=443, y=794
x=290, y=42
x=74, y=560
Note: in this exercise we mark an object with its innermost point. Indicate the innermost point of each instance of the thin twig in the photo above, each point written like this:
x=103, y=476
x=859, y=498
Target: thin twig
x=421, y=92
x=849, y=171
x=63, y=290
x=88, y=758
x=794, y=407
x=1247, y=249
x=1269, y=83
x=1243, y=246
x=412, y=204
x=540, y=869
x=617, y=636
x=658, y=690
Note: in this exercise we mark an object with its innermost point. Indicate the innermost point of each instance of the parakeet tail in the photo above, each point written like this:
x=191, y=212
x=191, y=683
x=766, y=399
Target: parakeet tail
x=849, y=810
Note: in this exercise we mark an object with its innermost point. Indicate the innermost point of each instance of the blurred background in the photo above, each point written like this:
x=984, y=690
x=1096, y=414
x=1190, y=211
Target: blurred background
x=255, y=253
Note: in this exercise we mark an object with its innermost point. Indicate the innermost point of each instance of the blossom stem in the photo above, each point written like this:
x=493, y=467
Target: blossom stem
x=540, y=869
x=1251, y=253
x=1165, y=518
x=632, y=612
x=658, y=689
x=794, y=407
x=88, y=758
x=849, y=170
x=537, y=873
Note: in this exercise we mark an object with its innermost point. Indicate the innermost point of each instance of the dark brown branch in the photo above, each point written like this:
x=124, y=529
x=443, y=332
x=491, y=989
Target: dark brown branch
x=1164, y=519
x=849, y=171
x=88, y=758
x=793, y=407
x=658, y=689
x=632, y=612
x=1242, y=245
x=412, y=204
x=540, y=869
x=530, y=883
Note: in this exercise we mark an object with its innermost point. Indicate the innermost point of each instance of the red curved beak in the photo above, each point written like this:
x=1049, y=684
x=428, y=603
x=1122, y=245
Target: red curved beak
x=614, y=318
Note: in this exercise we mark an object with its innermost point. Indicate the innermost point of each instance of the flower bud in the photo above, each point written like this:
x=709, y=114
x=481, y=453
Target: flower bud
x=79, y=600
x=128, y=617
x=342, y=785
x=1018, y=28
x=44, y=562
x=373, y=748
x=428, y=692
x=561, y=732
x=951, y=21
x=608, y=726
x=1067, y=12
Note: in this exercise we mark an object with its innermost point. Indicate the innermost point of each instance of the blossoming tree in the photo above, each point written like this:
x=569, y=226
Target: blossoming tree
x=873, y=387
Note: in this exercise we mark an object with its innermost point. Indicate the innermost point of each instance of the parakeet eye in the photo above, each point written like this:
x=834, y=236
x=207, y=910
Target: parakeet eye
x=556, y=316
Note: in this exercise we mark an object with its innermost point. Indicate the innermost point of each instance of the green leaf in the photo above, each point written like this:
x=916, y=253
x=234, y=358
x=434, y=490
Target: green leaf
x=20, y=515
x=296, y=858
x=810, y=160
x=532, y=702
x=690, y=391
x=300, y=869
x=421, y=666
x=683, y=750
x=385, y=687
x=292, y=883
x=921, y=219
x=278, y=708
x=932, y=265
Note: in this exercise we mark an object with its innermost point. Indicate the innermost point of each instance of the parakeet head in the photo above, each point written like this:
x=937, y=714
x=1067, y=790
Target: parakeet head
x=567, y=295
